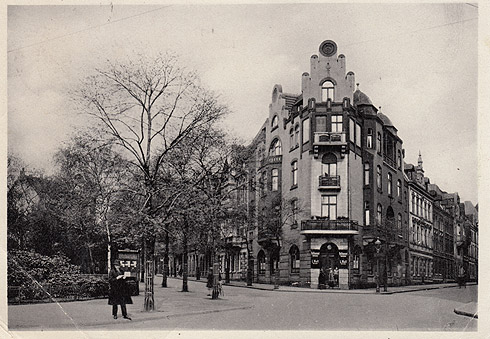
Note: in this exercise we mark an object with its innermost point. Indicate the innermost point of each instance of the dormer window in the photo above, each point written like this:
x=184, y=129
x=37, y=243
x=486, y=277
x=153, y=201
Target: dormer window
x=328, y=89
x=275, y=122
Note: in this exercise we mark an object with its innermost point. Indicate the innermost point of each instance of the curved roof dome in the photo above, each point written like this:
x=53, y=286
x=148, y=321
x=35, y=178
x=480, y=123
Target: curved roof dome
x=361, y=99
x=386, y=121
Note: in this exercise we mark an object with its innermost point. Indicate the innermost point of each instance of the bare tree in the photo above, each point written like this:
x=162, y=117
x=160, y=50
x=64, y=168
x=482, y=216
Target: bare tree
x=148, y=107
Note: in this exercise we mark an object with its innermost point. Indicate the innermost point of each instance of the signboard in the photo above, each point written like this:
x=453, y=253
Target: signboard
x=130, y=266
x=315, y=258
x=129, y=261
x=344, y=259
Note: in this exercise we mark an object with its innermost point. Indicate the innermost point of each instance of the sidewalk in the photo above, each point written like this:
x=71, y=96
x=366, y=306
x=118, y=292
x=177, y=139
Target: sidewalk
x=169, y=302
x=390, y=290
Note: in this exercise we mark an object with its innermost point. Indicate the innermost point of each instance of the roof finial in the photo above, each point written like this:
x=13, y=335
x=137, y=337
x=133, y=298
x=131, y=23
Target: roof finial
x=357, y=86
x=380, y=108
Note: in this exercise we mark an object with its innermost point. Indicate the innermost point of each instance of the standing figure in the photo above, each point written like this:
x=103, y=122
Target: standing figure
x=119, y=293
x=336, y=275
x=209, y=283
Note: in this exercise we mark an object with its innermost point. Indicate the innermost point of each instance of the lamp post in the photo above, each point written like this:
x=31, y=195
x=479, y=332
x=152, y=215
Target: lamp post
x=377, y=243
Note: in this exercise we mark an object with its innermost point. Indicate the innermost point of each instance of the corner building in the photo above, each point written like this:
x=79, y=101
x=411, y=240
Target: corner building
x=335, y=162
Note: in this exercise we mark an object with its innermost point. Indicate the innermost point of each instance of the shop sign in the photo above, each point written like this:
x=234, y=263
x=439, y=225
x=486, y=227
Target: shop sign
x=315, y=258
x=344, y=259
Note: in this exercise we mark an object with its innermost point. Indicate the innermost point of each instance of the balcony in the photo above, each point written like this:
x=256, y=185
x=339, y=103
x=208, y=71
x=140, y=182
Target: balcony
x=234, y=241
x=329, y=138
x=329, y=182
x=273, y=159
x=320, y=227
x=392, y=235
x=390, y=162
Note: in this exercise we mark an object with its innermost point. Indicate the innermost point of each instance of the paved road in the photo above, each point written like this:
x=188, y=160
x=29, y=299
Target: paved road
x=249, y=309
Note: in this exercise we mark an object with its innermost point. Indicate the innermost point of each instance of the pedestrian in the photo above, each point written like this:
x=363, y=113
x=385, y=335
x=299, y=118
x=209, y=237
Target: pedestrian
x=118, y=291
x=336, y=275
x=322, y=279
x=209, y=283
x=331, y=281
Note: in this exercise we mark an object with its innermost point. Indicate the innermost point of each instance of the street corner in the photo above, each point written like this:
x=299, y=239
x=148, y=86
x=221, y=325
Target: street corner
x=469, y=310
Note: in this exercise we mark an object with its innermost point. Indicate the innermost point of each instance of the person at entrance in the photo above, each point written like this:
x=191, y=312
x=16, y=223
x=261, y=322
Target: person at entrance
x=119, y=293
x=209, y=283
x=331, y=279
x=336, y=275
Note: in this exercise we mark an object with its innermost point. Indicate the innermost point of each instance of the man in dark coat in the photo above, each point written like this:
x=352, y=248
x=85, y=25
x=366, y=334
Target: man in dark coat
x=119, y=293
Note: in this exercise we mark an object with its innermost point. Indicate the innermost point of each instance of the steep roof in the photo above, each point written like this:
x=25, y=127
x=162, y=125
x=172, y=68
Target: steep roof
x=361, y=99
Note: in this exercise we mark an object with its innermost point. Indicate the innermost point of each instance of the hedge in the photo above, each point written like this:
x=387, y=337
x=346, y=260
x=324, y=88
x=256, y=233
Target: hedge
x=32, y=276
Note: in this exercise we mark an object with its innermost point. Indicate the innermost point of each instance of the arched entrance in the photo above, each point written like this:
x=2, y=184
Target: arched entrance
x=329, y=256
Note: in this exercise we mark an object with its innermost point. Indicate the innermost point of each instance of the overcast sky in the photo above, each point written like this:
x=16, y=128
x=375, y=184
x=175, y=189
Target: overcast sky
x=417, y=61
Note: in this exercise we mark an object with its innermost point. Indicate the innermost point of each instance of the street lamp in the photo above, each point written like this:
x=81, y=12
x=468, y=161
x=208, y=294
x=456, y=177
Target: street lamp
x=377, y=243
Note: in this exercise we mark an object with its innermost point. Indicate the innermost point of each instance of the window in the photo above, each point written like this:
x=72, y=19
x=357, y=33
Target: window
x=378, y=177
x=378, y=143
x=336, y=123
x=369, y=140
x=413, y=202
x=379, y=214
x=328, y=90
x=358, y=135
x=321, y=123
x=329, y=164
x=276, y=147
x=275, y=121
x=399, y=222
x=294, y=211
x=275, y=179
x=296, y=135
x=399, y=159
x=294, y=259
x=261, y=262
x=390, y=184
x=366, y=213
x=306, y=130
x=399, y=189
x=294, y=173
x=367, y=173
x=329, y=206
x=263, y=183
x=352, y=130
x=291, y=138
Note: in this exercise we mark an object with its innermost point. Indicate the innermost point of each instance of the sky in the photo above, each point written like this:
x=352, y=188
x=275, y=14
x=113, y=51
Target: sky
x=419, y=62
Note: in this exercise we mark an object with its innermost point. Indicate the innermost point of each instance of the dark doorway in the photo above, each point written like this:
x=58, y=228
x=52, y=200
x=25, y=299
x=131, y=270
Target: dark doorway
x=329, y=256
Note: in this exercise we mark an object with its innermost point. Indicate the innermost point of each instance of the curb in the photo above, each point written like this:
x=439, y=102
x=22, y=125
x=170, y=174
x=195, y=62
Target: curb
x=466, y=314
x=425, y=288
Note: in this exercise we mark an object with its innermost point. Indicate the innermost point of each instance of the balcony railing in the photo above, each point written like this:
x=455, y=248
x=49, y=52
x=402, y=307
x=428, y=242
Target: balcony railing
x=273, y=159
x=234, y=240
x=329, y=225
x=329, y=138
x=329, y=181
x=389, y=161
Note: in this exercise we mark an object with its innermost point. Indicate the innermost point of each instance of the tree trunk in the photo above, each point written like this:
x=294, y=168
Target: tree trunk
x=227, y=267
x=109, y=254
x=185, y=288
x=165, y=261
x=149, y=304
